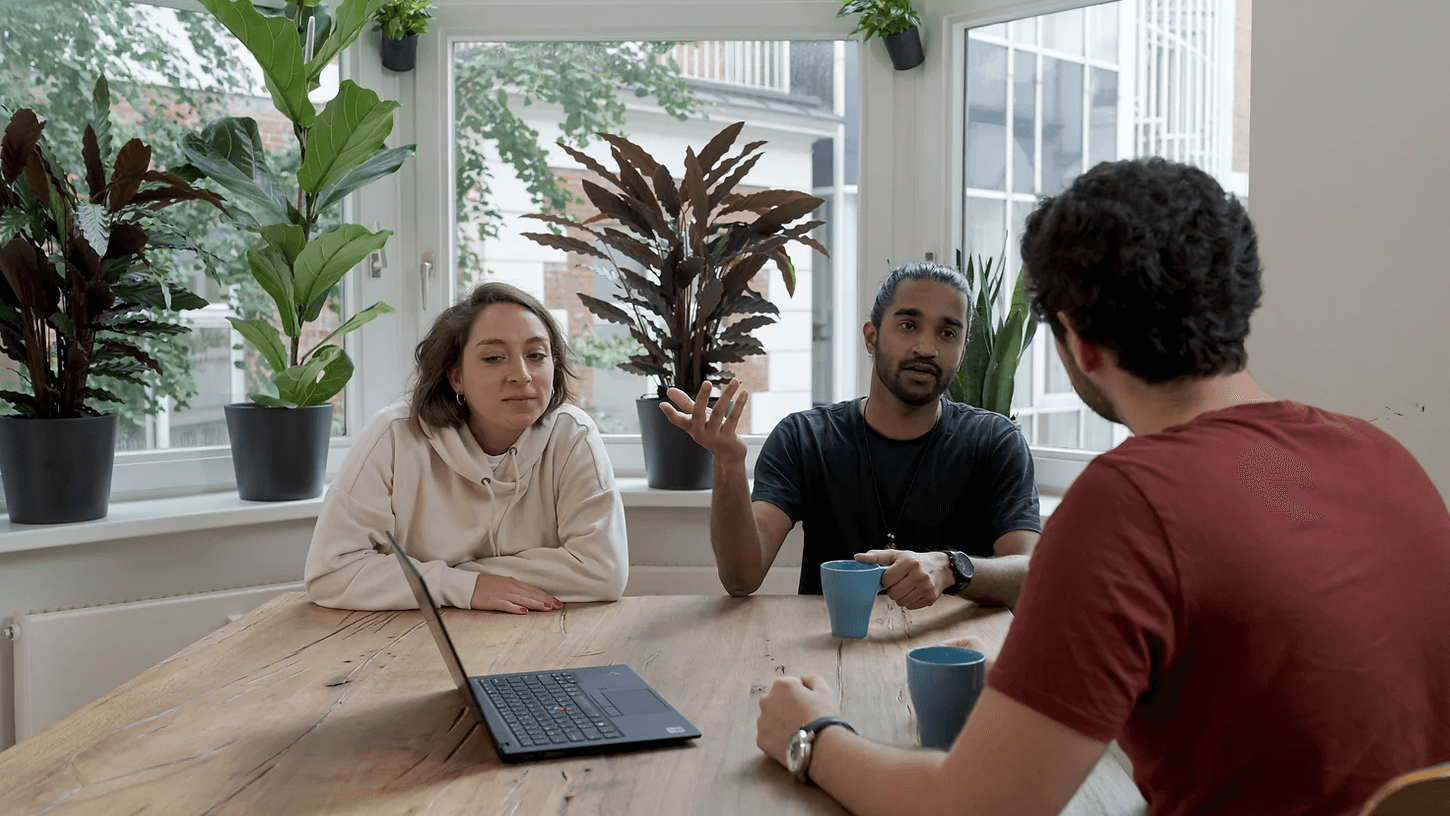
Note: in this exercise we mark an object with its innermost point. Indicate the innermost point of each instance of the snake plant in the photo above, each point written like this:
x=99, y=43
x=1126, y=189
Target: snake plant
x=998, y=340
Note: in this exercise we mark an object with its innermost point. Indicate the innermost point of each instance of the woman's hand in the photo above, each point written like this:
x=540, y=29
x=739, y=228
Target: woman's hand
x=500, y=594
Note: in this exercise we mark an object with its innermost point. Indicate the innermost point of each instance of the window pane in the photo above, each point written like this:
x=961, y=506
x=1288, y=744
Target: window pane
x=986, y=116
x=1024, y=121
x=169, y=71
x=515, y=100
x=1063, y=32
x=1097, y=432
x=1062, y=124
x=1103, y=32
x=1178, y=103
x=987, y=235
x=1057, y=379
x=1058, y=430
x=1103, y=117
x=1024, y=32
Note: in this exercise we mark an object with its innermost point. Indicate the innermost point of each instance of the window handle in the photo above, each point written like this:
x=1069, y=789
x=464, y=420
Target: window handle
x=425, y=271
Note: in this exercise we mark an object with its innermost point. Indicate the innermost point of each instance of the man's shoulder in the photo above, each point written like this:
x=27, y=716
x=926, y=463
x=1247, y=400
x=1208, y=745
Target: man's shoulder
x=976, y=424
x=820, y=417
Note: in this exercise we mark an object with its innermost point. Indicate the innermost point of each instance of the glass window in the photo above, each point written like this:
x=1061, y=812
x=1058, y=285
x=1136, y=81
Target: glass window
x=1062, y=123
x=514, y=100
x=986, y=116
x=169, y=71
x=1074, y=102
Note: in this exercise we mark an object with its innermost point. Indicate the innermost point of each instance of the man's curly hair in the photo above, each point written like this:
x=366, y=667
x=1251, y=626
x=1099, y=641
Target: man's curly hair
x=1149, y=259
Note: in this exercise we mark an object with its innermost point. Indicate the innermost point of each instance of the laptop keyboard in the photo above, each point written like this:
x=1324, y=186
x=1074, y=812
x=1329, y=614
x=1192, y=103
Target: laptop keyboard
x=548, y=709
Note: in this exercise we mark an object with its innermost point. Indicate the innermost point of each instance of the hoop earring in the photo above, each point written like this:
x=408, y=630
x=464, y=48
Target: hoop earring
x=458, y=397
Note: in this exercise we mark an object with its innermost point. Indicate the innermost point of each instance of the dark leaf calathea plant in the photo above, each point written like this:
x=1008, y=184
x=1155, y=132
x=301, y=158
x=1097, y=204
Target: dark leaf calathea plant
x=79, y=295
x=683, y=253
x=297, y=263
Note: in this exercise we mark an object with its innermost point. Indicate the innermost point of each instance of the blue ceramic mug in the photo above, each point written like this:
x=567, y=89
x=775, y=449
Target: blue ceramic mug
x=945, y=682
x=850, y=589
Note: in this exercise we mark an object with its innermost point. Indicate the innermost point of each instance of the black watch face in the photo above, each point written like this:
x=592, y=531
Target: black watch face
x=962, y=565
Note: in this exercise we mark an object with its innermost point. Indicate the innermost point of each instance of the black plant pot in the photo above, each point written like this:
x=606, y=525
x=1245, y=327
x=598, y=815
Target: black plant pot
x=905, y=49
x=400, y=55
x=279, y=454
x=57, y=470
x=672, y=460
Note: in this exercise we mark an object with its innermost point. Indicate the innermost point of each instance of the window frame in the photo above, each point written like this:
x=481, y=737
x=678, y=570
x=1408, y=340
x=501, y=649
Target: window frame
x=511, y=20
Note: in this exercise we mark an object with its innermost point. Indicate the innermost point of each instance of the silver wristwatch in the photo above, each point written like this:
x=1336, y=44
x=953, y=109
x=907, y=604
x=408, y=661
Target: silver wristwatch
x=798, y=752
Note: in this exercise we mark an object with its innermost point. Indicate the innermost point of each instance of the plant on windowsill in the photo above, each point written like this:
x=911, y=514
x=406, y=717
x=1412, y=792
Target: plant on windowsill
x=896, y=22
x=280, y=440
x=682, y=253
x=988, y=373
x=79, y=297
x=400, y=22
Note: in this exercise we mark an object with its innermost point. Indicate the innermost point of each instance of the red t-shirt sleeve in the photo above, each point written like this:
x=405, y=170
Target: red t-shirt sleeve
x=1099, y=615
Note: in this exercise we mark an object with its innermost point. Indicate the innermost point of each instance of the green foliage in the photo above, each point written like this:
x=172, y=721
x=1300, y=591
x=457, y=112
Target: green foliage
x=78, y=291
x=53, y=52
x=880, y=18
x=698, y=244
x=604, y=353
x=400, y=18
x=585, y=79
x=999, y=338
x=301, y=258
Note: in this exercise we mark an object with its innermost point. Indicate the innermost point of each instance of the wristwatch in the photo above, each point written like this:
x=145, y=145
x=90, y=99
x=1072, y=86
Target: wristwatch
x=798, y=752
x=961, y=571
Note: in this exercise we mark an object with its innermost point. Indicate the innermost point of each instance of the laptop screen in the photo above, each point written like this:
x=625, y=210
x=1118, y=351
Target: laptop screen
x=435, y=623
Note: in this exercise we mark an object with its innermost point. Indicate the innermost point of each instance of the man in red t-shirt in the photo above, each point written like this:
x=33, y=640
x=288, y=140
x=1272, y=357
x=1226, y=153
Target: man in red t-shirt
x=1251, y=596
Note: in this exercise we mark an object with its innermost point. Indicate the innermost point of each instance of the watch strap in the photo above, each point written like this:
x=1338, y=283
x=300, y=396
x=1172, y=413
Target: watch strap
x=808, y=733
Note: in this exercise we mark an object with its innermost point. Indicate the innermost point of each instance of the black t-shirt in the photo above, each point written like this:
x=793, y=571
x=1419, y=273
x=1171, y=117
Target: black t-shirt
x=960, y=486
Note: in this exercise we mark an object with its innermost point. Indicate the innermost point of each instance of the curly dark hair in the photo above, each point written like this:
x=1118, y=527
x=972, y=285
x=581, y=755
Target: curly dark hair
x=1152, y=260
x=432, y=402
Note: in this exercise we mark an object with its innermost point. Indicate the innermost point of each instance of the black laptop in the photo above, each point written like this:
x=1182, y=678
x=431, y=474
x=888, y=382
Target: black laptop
x=541, y=714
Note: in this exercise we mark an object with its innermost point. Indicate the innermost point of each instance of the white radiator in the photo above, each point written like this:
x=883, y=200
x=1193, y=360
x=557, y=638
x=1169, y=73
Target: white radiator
x=64, y=660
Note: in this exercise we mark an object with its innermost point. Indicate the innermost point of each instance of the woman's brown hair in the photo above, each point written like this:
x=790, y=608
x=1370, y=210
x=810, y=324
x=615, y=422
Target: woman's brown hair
x=433, y=402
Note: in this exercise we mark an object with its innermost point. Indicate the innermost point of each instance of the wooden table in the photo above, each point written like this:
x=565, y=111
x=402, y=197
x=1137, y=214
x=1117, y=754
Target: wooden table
x=296, y=709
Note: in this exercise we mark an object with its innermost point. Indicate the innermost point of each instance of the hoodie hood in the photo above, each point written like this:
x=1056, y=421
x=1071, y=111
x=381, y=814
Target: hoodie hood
x=462, y=453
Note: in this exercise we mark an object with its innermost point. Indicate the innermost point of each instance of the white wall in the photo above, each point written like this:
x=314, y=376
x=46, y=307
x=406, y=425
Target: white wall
x=1351, y=172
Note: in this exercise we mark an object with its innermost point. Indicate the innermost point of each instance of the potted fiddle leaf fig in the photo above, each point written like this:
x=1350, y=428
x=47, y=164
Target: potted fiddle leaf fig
x=280, y=438
x=400, y=22
x=988, y=373
x=896, y=22
x=683, y=253
x=82, y=292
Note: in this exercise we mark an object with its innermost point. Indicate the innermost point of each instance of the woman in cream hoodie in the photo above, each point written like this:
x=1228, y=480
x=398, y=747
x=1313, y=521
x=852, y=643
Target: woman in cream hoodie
x=498, y=487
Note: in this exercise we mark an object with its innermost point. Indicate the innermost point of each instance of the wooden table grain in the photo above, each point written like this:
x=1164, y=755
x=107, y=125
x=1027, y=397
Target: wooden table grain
x=297, y=709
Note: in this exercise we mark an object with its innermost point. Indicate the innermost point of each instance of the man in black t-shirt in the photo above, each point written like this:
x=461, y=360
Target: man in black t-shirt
x=941, y=492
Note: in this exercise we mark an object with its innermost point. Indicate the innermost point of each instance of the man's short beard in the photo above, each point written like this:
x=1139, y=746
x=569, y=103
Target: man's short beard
x=894, y=385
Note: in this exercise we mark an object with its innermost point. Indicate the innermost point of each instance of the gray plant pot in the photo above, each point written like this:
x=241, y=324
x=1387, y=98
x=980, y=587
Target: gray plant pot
x=905, y=49
x=279, y=454
x=400, y=55
x=57, y=470
x=672, y=460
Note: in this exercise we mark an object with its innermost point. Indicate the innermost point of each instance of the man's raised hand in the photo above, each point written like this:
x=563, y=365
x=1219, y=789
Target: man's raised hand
x=712, y=429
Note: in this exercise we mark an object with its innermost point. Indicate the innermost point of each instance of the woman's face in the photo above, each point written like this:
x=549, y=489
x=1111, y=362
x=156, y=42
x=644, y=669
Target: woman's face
x=506, y=374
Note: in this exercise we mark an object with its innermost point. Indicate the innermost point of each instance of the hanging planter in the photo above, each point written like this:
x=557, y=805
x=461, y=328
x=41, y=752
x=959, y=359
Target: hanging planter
x=905, y=49
x=896, y=22
x=400, y=55
x=400, y=22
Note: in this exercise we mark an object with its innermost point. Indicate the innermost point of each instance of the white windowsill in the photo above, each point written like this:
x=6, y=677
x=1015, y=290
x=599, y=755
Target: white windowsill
x=134, y=519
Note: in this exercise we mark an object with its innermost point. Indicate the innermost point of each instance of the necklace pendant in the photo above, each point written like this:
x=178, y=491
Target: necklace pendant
x=890, y=541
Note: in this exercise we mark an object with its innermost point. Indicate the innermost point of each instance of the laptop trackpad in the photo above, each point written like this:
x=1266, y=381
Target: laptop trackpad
x=635, y=701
